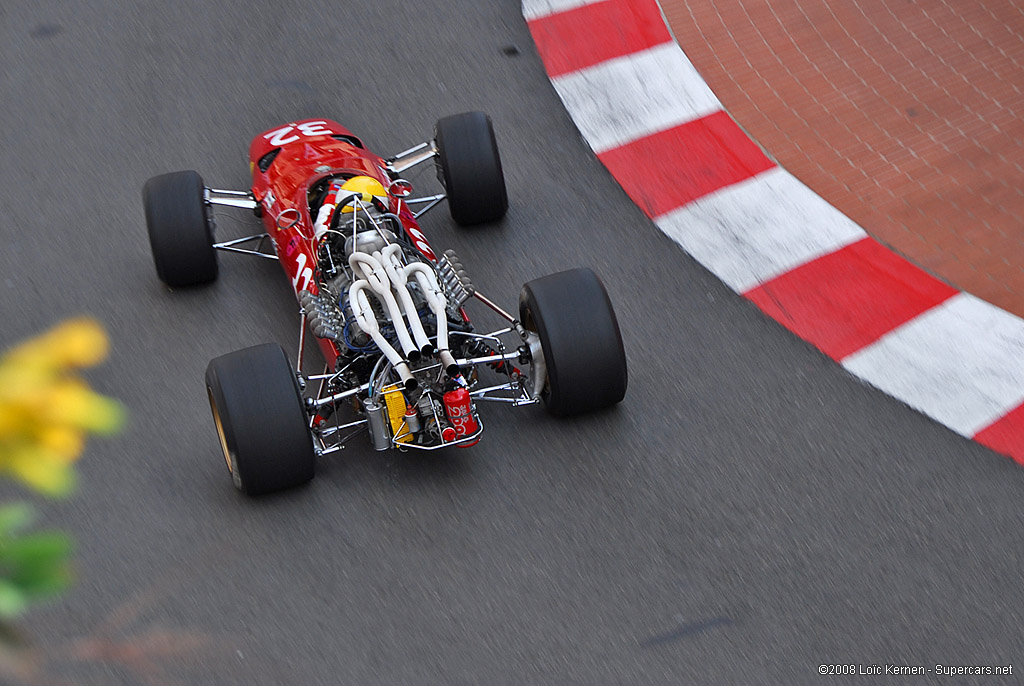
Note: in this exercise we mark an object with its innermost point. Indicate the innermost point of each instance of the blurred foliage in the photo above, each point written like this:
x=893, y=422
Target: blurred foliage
x=32, y=565
x=46, y=413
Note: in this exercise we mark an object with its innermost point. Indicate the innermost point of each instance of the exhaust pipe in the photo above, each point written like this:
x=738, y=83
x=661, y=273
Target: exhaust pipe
x=369, y=270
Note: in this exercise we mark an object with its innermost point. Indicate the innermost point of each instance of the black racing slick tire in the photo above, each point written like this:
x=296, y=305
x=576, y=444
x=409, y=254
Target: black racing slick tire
x=470, y=168
x=579, y=335
x=260, y=420
x=180, y=229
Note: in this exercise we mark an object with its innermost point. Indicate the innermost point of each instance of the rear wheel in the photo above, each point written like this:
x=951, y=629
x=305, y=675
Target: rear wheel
x=260, y=419
x=180, y=229
x=470, y=168
x=579, y=335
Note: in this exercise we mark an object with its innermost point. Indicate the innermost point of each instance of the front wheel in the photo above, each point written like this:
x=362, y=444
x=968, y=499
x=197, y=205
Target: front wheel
x=470, y=168
x=579, y=334
x=260, y=419
x=180, y=229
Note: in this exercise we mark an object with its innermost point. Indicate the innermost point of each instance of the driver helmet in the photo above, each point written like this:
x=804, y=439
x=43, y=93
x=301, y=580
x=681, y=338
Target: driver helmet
x=368, y=188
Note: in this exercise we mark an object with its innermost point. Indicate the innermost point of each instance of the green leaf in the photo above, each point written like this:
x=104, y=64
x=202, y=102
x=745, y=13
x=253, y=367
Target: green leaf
x=42, y=548
x=12, y=600
x=38, y=563
x=46, y=584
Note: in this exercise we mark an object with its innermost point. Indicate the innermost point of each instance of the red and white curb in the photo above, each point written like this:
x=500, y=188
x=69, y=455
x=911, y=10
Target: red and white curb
x=655, y=124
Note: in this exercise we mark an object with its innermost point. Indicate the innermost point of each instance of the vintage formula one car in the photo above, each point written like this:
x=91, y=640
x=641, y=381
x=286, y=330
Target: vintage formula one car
x=404, y=362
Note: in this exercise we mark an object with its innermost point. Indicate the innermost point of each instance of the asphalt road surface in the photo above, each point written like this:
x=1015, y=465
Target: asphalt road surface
x=749, y=513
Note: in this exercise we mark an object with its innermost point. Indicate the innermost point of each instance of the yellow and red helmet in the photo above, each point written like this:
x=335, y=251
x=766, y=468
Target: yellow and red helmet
x=368, y=188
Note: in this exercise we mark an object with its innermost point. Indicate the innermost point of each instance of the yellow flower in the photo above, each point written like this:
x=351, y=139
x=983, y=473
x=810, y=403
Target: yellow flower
x=40, y=468
x=63, y=443
x=72, y=404
x=75, y=343
x=46, y=410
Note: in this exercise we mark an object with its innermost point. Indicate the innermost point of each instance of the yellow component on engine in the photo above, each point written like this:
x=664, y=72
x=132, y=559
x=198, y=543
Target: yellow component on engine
x=395, y=401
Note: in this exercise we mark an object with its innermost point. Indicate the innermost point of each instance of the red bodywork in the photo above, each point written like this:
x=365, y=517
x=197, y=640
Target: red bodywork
x=304, y=152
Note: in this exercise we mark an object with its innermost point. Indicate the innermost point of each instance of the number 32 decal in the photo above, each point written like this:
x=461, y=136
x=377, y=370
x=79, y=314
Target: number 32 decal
x=287, y=134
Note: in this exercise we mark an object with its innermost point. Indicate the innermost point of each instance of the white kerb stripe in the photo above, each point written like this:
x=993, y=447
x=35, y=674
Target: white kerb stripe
x=622, y=99
x=757, y=229
x=535, y=9
x=961, y=363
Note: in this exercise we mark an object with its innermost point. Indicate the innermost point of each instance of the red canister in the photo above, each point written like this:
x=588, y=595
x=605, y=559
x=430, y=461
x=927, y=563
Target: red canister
x=459, y=408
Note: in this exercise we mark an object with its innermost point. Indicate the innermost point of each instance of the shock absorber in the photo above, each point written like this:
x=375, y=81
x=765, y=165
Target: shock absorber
x=479, y=348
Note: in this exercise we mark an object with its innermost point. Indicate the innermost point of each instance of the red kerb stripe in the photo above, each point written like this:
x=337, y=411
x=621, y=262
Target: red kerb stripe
x=582, y=37
x=849, y=298
x=672, y=168
x=1005, y=435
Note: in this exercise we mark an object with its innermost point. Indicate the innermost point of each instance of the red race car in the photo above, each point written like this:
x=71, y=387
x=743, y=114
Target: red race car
x=404, y=363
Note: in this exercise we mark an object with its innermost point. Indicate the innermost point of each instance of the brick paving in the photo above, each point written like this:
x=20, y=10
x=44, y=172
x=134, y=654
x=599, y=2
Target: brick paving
x=903, y=114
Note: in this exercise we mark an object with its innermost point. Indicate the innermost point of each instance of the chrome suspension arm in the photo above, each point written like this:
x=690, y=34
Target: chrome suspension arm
x=411, y=157
x=240, y=199
x=232, y=246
